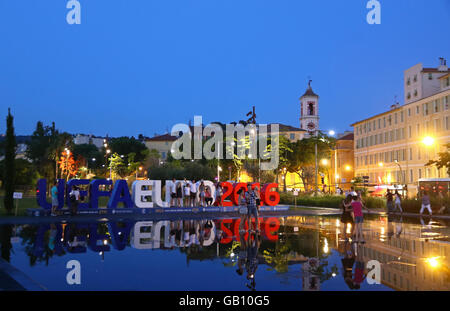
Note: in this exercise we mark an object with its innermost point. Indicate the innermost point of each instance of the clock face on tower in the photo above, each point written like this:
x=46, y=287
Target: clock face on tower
x=311, y=126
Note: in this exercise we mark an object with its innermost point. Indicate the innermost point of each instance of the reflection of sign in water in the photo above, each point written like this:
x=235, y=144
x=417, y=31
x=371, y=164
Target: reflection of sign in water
x=77, y=238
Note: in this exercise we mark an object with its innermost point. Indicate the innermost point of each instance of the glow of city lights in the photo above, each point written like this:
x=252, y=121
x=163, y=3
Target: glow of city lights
x=348, y=168
x=349, y=228
x=108, y=151
x=324, y=161
x=325, y=246
x=380, y=164
x=433, y=262
x=428, y=141
x=105, y=242
x=333, y=274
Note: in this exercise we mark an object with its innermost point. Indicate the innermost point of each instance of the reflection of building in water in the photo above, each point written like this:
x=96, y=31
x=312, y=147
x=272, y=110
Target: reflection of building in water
x=410, y=263
x=412, y=256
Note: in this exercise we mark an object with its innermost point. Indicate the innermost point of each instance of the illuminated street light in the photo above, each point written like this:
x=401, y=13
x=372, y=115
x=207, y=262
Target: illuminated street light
x=380, y=164
x=433, y=262
x=324, y=161
x=428, y=141
x=348, y=168
x=108, y=151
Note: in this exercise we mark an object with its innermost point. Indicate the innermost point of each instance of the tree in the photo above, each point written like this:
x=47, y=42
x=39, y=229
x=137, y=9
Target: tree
x=443, y=160
x=44, y=148
x=68, y=165
x=25, y=172
x=85, y=153
x=126, y=145
x=10, y=155
x=303, y=160
x=117, y=166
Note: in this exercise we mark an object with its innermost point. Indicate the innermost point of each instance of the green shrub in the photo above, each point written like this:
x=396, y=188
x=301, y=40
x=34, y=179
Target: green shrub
x=332, y=201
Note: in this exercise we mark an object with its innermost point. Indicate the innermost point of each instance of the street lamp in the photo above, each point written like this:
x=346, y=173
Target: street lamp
x=401, y=173
x=428, y=141
x=108, y=151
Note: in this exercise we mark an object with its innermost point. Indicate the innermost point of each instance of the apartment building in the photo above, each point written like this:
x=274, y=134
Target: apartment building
x=393, y=147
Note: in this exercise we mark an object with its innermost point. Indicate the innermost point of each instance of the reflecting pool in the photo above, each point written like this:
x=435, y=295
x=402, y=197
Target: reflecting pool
x=290, y=253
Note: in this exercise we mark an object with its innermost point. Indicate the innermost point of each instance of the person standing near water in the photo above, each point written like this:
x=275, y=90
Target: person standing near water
x=346, y=217
x=398, y=201
x=74, y=196
x=193, y=191
x=426, y=203
x=251, y=205
x=357, y=207
x=55, y=202
x=389, y=201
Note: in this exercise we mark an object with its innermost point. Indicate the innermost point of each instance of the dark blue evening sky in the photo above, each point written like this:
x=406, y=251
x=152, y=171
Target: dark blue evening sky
x=141, y=66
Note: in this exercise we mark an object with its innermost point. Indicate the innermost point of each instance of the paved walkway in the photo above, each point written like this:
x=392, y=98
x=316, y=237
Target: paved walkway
x=12, y=279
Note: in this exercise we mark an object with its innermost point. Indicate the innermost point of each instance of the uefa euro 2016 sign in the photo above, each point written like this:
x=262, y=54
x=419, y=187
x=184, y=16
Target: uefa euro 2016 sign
x=145, y=193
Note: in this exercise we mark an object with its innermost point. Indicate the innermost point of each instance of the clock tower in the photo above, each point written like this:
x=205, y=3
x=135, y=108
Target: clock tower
x=309, y=111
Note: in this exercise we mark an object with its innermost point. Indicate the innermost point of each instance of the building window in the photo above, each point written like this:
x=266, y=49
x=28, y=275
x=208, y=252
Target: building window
x=430, y=76
x=409, y=131
x=415, y=78
x=163, y=155
x=415, y=93
x=410, y=154
x=401, y=116
x=408, y=96
x=395, y=118
x=408, y=82
x=292, y=136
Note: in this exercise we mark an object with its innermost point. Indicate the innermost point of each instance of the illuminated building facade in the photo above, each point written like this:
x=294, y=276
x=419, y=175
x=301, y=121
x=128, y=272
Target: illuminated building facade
x=394, y=146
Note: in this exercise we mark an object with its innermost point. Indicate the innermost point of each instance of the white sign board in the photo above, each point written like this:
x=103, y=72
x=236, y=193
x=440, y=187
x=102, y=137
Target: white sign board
x=296, y=193
x=17, y=195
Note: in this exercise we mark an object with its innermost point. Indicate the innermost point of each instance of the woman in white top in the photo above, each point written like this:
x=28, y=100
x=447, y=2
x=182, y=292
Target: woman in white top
x=398, y=201
x=187, y=194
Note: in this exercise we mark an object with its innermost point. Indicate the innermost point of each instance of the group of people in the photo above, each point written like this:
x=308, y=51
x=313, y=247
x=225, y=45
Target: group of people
x=193, y=193
x=75, y=198
x=394, y=201
x=352, y=214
